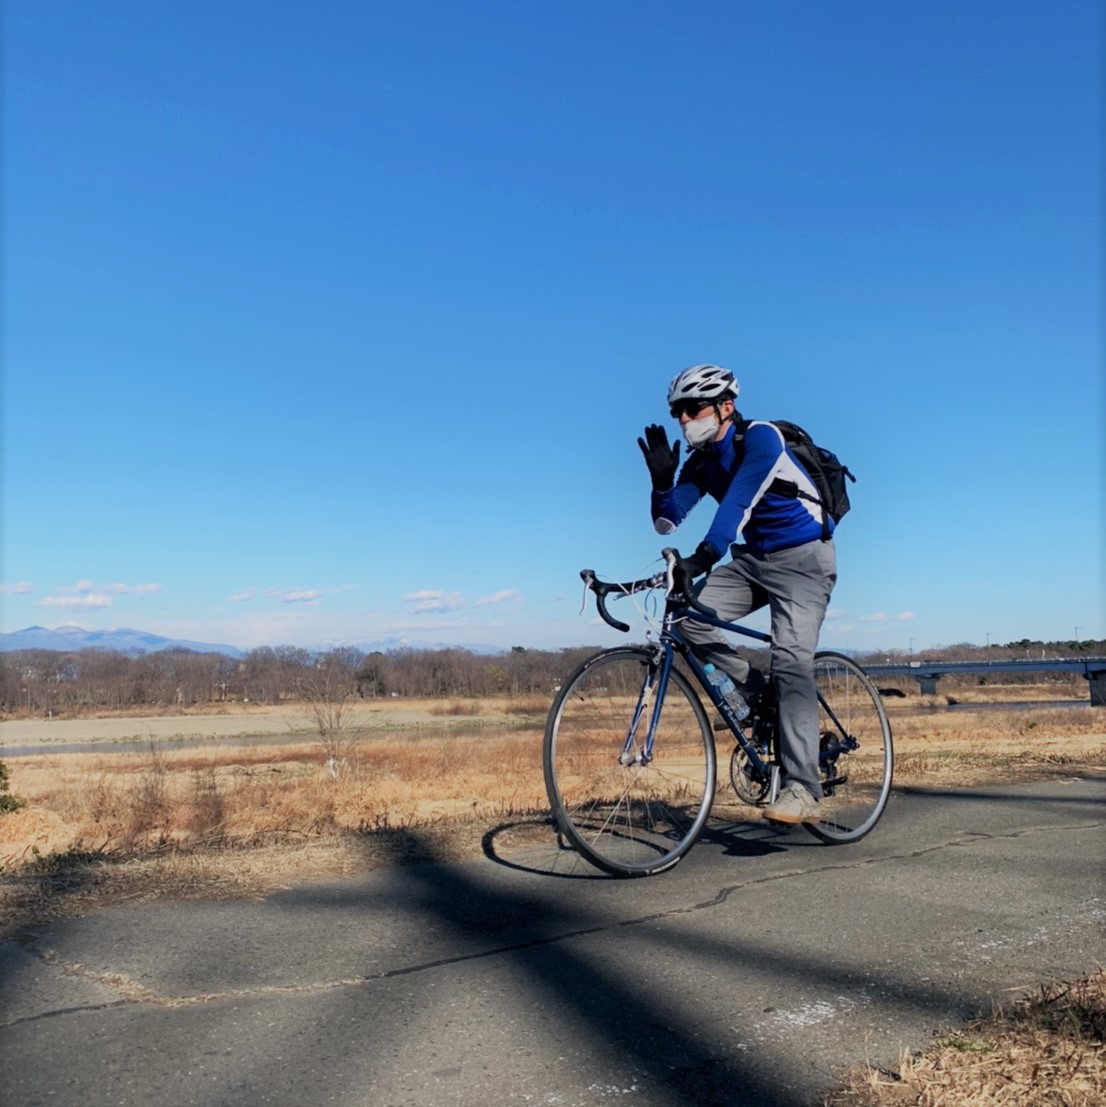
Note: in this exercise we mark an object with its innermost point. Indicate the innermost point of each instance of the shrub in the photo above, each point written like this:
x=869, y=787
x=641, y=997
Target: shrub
x=456, y=707
x=8, y=802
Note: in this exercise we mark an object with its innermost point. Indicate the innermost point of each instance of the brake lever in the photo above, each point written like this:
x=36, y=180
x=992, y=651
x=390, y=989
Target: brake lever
x=588, y=577
x=672, y=559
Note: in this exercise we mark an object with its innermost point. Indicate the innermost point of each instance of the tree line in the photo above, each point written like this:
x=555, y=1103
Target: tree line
x=48, y=681
x=1022, y=649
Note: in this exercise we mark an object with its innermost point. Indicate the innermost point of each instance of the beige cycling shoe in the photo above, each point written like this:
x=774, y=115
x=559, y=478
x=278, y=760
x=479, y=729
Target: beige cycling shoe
x=794, y=805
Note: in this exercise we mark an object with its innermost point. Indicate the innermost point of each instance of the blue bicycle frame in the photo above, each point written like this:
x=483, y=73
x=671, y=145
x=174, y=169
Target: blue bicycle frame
x=672, y=642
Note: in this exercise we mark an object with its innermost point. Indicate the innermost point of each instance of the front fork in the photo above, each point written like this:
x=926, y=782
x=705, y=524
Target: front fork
x=649, y=703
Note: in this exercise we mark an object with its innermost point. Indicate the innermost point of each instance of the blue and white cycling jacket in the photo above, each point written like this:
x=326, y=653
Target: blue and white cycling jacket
x=739, y=481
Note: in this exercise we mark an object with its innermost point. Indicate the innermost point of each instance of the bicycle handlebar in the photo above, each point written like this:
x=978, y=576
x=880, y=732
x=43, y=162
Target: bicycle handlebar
x=603, y=589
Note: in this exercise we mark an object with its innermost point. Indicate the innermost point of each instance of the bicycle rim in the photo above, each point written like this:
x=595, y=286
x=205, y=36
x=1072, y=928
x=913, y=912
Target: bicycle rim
x=628, y=816
x=851, y=719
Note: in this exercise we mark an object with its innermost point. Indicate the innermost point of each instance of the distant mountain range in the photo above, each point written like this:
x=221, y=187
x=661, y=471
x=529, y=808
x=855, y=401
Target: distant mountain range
x=136, y=642
x=121, y=640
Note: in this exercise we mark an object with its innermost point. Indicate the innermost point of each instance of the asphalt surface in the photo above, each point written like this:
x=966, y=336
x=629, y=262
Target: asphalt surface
x=750, y=974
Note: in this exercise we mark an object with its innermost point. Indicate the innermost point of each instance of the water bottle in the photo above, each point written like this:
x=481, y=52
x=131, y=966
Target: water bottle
x=728, y=690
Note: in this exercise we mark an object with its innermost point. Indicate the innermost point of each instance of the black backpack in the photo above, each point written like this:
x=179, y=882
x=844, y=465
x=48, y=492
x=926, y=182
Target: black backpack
x=826, y=471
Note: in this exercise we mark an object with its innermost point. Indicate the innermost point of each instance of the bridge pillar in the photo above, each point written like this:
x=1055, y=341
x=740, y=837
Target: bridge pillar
x=929, y=684
x=1098, y=687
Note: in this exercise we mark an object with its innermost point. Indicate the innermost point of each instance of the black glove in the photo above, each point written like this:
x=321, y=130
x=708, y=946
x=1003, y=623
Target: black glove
x=688, y=568
x=701, y=561
x=663, y=460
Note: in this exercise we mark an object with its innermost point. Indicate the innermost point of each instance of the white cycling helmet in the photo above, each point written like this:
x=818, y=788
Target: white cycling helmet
x=703, y=382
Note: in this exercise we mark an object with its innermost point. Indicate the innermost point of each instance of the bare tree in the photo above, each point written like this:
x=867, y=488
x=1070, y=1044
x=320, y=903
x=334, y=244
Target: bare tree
x=329, y=693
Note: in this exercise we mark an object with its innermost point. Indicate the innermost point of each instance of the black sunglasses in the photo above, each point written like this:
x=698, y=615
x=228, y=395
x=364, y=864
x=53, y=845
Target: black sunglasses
x=690, y=408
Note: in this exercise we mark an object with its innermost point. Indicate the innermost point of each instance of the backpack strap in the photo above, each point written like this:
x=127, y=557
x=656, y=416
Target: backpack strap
x=791, y=490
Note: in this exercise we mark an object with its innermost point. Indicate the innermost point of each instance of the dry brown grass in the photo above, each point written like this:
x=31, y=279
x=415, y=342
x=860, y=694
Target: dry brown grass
x=971, y=747
x=1006, y=693
x=378, y=712
x=967, y=689
x=456, y=707
x=128, y=804
x=1047, y=1050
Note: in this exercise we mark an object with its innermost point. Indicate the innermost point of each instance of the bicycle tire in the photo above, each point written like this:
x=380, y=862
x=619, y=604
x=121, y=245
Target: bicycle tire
x=625, y=817
x=851, y=720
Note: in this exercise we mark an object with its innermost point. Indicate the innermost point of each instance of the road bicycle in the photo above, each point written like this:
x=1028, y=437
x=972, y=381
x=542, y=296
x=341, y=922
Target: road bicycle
x=629, y=754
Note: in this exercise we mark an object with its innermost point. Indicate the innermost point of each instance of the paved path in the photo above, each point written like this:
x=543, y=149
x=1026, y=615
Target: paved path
x=750, y=974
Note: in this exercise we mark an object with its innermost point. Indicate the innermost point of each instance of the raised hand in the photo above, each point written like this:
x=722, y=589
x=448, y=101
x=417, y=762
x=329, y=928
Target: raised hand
x=663, y=460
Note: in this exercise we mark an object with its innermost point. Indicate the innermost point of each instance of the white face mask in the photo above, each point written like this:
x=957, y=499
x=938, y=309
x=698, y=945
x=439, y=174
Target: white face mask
x=698, y=432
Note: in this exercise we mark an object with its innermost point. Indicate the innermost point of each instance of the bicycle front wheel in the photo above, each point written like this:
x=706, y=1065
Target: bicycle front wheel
x=629, y=812
x=856, y=758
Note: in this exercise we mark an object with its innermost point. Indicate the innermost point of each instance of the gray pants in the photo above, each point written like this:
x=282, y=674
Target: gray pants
x=796, y=585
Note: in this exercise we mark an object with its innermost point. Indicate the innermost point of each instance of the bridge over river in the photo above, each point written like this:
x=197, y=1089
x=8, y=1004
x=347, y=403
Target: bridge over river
x=927, y=673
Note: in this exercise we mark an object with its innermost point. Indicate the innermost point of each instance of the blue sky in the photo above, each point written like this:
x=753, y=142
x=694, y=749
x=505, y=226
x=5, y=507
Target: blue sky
x=338, y=322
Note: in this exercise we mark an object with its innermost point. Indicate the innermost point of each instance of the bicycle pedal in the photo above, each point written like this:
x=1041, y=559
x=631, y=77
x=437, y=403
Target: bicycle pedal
x=834, y=781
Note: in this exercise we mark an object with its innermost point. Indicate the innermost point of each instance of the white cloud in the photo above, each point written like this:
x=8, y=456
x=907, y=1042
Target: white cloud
x=84, y=599
x=401, y=626
x=300, y=595
x=84, y=587
x=905, y=616
x=504, y=595
x=20, y=589
x=875, y=617
x=437, y=602
x=80, y=586
x=86, y=594
x=836, y=613
x=293, y=595
x=242, y=597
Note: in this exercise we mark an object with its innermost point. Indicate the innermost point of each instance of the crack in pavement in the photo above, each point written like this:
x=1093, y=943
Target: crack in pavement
x=132, y=992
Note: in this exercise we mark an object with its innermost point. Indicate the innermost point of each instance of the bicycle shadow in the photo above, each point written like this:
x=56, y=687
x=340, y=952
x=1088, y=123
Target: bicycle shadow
x=534, y=846
x=745, y=838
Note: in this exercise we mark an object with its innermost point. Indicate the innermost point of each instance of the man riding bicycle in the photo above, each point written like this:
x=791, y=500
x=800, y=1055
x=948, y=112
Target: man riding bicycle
x=785, y=560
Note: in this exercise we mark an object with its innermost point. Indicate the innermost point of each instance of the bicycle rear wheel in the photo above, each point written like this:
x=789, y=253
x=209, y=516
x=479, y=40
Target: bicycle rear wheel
x=628, y=815
x=856, y=758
